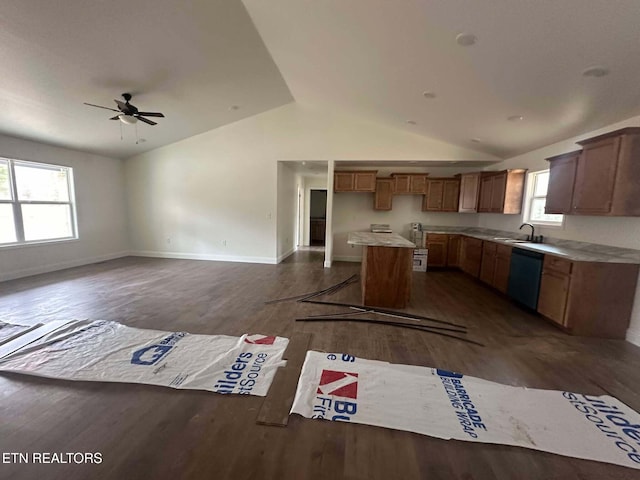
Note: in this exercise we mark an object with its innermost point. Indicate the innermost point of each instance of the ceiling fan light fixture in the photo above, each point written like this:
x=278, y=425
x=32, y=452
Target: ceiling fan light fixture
x=128, y=119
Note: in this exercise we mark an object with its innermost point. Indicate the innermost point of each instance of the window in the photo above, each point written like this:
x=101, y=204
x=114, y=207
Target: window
x=537, y=198
x=36, y=202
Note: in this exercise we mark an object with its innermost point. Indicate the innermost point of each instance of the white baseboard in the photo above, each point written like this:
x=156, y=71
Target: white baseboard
x=285, y=255
x=205, y=256
x=633, y=336
x=52, y=267
x=347, y=258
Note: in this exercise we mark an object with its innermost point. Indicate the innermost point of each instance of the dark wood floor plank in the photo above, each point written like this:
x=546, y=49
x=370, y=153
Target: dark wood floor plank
x=147, y=432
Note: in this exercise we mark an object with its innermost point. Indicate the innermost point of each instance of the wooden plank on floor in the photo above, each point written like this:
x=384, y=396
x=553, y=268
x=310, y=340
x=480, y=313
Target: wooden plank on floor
x=277, y=404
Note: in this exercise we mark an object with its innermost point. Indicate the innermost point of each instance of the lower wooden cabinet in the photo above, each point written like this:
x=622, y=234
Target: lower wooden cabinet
x=470, y=255
x=496, y=262
x=588, y=298
x=438, y=246
x=453, y=251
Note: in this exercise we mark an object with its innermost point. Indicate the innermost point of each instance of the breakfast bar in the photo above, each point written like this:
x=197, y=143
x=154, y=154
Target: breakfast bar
x=387, y=265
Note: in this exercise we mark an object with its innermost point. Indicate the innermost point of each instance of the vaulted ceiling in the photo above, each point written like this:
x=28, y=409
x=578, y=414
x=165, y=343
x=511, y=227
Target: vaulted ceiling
x=195, y=60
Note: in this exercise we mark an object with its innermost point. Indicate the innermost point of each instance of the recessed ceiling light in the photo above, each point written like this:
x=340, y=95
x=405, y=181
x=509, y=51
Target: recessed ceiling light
x=234, y=107
x=411, y=122
x=515, y=118
x=429, y=95
x=596, y=71
x=476, y=140
x=466, y=39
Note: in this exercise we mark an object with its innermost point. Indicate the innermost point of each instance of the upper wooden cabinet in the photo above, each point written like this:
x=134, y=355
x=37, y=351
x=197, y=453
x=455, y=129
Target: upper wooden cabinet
x=442, y=195
x=469, y=191
x=603, y=179
x=354, y=181
x=383, y=198
x=409, y=183
x=501, y=192
x=562, y=176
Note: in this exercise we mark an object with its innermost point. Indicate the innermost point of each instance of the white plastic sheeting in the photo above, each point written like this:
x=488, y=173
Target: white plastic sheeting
x=9, y=331
x=447, y=405
x=111, y=352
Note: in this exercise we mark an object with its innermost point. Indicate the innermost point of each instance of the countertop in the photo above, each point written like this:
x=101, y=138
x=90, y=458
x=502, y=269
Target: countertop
x=586, y=252
x=371, y=239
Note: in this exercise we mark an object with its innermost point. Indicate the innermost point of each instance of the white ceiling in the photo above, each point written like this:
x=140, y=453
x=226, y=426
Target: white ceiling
x=194, y=59
x=190, y=59
x=377, y=57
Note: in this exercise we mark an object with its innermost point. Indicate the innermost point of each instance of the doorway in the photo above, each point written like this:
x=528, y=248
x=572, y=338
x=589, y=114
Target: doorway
x=317, y=217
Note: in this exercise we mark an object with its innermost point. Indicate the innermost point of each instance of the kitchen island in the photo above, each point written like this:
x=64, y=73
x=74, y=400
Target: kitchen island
x=387, y=265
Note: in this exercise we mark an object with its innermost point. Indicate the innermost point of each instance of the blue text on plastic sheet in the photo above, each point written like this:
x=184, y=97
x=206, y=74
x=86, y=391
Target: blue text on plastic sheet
x=611, y=421
x=466, y=412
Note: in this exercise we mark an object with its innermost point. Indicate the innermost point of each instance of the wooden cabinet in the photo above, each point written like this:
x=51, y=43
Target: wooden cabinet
x=496, y=262
x=437, y=244
x=602, y=179
x=354, y=181
x=469, y=192
x=562, y=175
x=554, y=288
x=409, y=183
x=453, y=252
x=588, y=298
x=442, y=195
x=383, y=198
x=503, y=266
x=501, y=192
x=470, y=255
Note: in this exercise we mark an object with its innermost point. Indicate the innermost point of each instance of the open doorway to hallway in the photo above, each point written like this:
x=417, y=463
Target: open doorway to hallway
x=317, y=217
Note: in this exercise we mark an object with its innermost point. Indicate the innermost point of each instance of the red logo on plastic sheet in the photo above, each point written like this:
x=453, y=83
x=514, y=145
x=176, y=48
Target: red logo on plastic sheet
x=340, y=384
x=260, y=339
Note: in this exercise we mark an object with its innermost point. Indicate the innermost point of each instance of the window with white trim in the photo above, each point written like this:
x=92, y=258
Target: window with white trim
x=536, y=200
x=36, y=203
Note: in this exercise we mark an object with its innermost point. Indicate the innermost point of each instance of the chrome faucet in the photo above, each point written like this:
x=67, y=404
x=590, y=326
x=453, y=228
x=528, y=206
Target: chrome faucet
x=530, y=238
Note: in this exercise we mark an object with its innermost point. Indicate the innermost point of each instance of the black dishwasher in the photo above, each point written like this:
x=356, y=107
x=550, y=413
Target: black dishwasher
x=524, y=277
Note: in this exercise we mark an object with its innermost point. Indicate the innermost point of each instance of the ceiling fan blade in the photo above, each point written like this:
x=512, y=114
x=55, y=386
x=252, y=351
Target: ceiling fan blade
x=123, y=106
x=117, y=117
x=151, y=114
x=145, y=120
x=100, y=106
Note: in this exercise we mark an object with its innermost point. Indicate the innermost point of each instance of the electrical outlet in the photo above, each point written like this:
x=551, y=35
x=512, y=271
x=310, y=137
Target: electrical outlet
x=168, y=240
x=224, y=243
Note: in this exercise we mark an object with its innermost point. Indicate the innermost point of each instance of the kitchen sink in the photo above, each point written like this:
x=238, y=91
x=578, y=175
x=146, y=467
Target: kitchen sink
x=510, y=240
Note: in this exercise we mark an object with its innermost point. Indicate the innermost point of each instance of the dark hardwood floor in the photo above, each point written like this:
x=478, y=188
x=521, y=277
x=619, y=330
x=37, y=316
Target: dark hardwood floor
x=146, y=432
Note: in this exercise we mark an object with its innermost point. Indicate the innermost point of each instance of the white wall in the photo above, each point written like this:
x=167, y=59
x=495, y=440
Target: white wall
x=100, y=201
x=616, y=231
x=288, y=183
x=187, y=198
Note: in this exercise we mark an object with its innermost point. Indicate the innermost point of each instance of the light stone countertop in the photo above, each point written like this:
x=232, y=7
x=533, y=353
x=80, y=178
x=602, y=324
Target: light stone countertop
x=576, y=251
x=371, y=239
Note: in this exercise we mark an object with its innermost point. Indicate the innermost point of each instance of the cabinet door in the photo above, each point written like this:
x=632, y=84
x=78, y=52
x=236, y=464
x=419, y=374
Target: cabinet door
x=450, y=196
x=418, y=184
x=503, y=265
x=562, y=176
x=552, y=301
x=469, y=189
x=343, y=182
x=433, y=198
x=486, y=194
x=488, y=265
x=453, y=253
x=471, y=255
x=365, y=182
x=403, y=184
x=595, y=177
x=437, y=245
x=498, y=190
x=383, y=197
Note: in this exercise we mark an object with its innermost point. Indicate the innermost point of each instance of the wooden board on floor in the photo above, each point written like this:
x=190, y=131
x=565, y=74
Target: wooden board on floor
x=277, y=404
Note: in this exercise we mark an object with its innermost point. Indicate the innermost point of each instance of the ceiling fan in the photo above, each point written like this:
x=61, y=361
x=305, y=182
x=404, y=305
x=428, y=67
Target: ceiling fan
x=128, y=113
